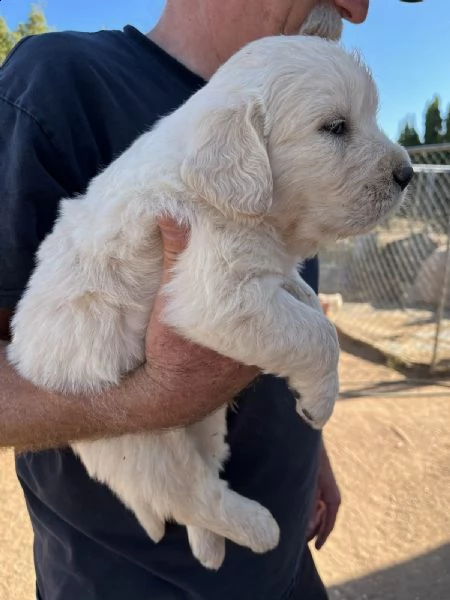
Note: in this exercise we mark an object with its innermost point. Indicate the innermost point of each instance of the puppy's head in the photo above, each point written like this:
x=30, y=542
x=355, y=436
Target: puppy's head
x=288, y=132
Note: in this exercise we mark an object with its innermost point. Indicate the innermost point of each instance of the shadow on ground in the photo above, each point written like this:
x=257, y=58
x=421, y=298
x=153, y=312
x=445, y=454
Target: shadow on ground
x=392, y=388
x=426, y=577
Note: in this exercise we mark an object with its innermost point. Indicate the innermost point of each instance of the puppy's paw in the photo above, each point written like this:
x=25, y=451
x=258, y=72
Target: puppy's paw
x=247, y=523
x=261, y=531
x=207, y=547
x=153, y=525
x=315, y=404
x=228, y=515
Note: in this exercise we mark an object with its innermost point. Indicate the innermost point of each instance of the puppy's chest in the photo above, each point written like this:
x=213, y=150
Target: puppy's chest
x=240, y=249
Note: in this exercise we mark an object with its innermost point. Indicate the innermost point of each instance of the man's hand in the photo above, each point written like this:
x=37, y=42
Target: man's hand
x=328, y=497
x=176, y=362
x=327, y=503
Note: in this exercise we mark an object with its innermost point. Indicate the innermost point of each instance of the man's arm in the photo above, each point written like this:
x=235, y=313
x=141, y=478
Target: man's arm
x=179, y=384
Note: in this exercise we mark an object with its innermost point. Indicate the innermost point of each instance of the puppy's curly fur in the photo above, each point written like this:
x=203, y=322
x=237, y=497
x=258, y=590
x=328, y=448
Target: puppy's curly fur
x=278, y=153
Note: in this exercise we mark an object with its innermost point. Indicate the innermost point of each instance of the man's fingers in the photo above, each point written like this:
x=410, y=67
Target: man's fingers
x=313, y=532
x=327, y=524
x=315, y=520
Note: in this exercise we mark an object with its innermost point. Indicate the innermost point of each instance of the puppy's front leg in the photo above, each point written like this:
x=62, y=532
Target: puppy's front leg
x=329, y=384
x=298, y=287
x=266, y=325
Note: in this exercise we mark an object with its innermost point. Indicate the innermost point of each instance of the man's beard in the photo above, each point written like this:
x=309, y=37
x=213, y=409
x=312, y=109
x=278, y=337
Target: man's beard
x=323, y=21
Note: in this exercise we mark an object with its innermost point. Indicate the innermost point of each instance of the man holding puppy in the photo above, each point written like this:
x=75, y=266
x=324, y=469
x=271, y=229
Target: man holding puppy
x=69, y=104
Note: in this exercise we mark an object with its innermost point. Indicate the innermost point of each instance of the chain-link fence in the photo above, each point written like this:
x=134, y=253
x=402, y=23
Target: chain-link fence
x=395, y=282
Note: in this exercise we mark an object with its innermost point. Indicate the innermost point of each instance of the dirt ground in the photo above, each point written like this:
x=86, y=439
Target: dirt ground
x=389, y=442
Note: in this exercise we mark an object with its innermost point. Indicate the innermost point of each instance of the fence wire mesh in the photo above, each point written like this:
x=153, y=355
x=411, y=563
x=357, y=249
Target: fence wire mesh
x=394, y=283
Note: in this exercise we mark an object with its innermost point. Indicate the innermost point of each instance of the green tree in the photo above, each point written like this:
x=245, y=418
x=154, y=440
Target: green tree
x=36, y=23
x=433, y=122
x=446, y=134
x=7, y=39
x=409, y=136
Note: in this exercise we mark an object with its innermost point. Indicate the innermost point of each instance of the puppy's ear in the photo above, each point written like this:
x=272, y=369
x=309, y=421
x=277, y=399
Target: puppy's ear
x=227, y=163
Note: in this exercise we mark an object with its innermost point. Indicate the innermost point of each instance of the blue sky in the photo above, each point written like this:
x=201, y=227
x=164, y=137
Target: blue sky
x=407, y=46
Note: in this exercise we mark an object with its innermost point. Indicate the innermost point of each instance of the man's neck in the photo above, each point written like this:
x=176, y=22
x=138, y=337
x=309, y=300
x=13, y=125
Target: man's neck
x=202, y=35
x=187, y=40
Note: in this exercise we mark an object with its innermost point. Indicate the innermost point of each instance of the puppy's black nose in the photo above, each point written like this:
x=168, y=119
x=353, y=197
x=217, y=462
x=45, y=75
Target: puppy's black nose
x=403, y=175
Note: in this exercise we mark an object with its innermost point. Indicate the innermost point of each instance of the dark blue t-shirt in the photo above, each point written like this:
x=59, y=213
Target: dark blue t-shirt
x=69, y=104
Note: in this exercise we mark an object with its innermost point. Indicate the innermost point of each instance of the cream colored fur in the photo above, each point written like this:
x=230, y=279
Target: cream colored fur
x=248, y=165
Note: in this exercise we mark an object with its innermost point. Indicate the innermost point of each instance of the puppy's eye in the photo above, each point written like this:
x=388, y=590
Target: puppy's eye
x=337, y=127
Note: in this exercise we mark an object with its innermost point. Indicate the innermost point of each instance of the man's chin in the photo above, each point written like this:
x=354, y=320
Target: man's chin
x=323, y=21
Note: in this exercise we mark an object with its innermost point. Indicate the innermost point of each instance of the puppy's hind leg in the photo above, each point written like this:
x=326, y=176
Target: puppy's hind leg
x=149, y=520
x=207, y=547
x=167, y=476
x=209, y=436
x=198, y=497
x=213, y=506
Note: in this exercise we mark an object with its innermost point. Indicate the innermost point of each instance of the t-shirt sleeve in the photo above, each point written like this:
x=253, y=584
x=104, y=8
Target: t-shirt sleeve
x=30, y=192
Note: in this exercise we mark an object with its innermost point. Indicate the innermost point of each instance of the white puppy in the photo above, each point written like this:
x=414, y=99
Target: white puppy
x=277, y=154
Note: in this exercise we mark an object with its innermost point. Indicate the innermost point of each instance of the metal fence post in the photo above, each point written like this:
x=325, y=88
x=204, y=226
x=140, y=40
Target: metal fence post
x=442, y=301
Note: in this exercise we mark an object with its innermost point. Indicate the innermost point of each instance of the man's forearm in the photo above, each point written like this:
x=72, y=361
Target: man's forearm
x=32, y=418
